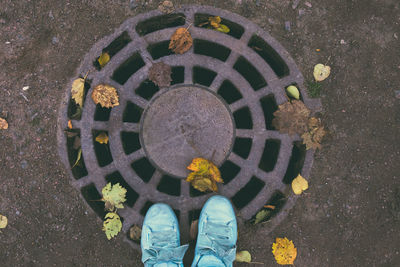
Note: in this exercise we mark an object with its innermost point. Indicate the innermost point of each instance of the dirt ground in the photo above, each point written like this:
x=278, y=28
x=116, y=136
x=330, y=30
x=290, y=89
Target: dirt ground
x=350, y=216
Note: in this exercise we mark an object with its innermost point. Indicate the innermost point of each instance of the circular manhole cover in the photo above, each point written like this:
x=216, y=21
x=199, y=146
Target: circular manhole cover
x=220, y=106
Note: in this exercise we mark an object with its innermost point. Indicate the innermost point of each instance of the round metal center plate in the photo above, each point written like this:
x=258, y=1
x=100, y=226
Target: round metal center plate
x=184, y=123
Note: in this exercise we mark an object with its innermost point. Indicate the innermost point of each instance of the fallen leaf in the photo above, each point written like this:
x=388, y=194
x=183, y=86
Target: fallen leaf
x=3, y=221
x=205, y=175
x=166, y=7
x=69, y=124
x=78, y=158
x=215, y=23
x=114, y=195
x=293, y=92
x=181, y=41
x=321, y=72
x=223, y=28
x=202, y=165
x=202, y=183
x=3, y=124
x=194, y=228
x=105, y=95
x=284, y=251
x=112, y=225
x=261, y=216
x=291, y=118
x=243, y=256
x=103, y=59
x=78, y=91
x=135, y=233
x=272, y=207
x=102, y=138
x=299, y=184
x=313, y=138
x=160, y=74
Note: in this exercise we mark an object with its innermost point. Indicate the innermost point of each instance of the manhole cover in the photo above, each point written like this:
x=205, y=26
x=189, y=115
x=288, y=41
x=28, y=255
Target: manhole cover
x=220, y=106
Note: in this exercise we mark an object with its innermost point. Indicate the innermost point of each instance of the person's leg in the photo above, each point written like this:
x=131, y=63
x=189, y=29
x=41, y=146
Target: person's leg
x=216, y=240
x=160, y=240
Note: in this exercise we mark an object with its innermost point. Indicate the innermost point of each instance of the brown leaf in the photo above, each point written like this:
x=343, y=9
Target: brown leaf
x=181, y=41
x=205, y=175
x=194, y=229
x=3, y=124
x=105, y=95
x=166, y=7
x=135, y=233
x=160, y=74
x=313, y=138
x=291, y=118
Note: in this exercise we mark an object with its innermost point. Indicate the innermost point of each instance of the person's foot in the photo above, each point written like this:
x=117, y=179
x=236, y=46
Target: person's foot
x=216, y=240
x=160, y=240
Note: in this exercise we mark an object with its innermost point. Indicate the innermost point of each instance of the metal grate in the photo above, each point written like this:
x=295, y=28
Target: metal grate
x=239, y=76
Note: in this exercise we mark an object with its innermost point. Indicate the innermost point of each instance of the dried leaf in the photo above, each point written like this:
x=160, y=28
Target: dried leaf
x=205, y=175
x=105, y=95
x=135, y=233
x=78, y=91
x=69, y=124
x=313, y=138
x=160, y=74
x=194, y=228
x=291, y=118
x=102, y=138
x=223, y=28
x=3, y=221
x=103, y=59
x=215, y=23
x=272, y=207
x=284, y=251
x=299, y=184
x=293, y=92
x=243, y=256
x=261, y=216
x=112, y=225
x=3, y=124
x=71, y=134
x=114, y=195
x=181, y=41
x=321, y=72
x=78, y=158
x=166, y=7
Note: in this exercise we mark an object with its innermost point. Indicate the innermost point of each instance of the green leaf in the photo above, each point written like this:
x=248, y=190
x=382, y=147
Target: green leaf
x=114, y=196
x=293, y=92
x=78, y=158
x=261, y=216
x=3, y=221
x=112, y=225
x=223, y=28
x=243, y=256
x=103, y=59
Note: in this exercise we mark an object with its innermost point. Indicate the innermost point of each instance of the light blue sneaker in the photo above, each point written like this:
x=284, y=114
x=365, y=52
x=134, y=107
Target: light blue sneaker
x=160, y=240
x=216, y=240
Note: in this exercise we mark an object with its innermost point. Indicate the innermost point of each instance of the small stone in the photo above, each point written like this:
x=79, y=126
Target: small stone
x=8, y=42
x=308, y=4
x=55, y=40
x=25, y=88
x=395, y=35
x=301, y=12
x=133, y=4
x=24, y=164
x=287, y=26
x=342, y=42
x=295, y=4
x=397, y=94
x=51, y=15
x=17, y=212
x=271, y=21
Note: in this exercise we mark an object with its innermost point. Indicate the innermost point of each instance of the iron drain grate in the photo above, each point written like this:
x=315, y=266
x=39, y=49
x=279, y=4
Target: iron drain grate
x=240, y=76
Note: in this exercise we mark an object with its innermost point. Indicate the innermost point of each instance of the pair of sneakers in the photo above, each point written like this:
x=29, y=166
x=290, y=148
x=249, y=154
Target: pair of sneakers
x=216, y=240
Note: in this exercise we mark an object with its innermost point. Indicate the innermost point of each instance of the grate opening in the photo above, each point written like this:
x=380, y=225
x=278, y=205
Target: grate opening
x=74, y=112
x=130, y=142
x=92, y=197
x=229, y=92
x=177, y=75
x=132, y=113
x=196, y=193
x=147, y=89
x=102, y=114
x=269, y=55
x=242, y=146
x=79, y=170
x=146, y=207
x=160, y=22
x=236, y=30
x=128, y=68
x=270, y=155
x=170, y=185
x=211, y=49
x=243, y=119
x=194, y=215
x=144, y=169
x=296, y=162
x=245, y=195
x=160, y=49
x=203, y=76
x=102, y=151
x=269, y=106
x=131, y=195
x=229, y=170
x=250, y=73
x=278, y=200
x=114, y=47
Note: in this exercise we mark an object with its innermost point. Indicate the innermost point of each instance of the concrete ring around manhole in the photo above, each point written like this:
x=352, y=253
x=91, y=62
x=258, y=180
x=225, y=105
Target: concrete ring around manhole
x=220, y=106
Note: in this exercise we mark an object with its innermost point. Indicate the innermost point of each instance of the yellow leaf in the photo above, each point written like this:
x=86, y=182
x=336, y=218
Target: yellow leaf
x=78, y=158
x=205, y=175
x=78, y=90
x=3, y=124
x=284, y=251
x=293, y=92
x=243, y=256
x=112, y=225
x=214, y=21
x=223, y=28
x=105, y=95
x=102, y=138
x=3, y=221
x=103, y=59
x=321, y=72
x=299, y=184
x=114, y=196
x=181, y=41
